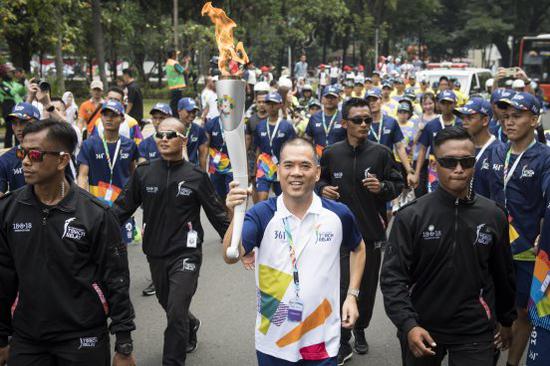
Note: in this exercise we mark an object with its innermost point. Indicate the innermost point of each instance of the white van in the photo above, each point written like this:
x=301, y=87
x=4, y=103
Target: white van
x=472, y=80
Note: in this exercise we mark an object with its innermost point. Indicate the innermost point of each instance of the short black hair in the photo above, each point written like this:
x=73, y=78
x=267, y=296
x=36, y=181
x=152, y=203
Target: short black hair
x=352, y=103
x=58, y=99
x=61, y=133
x=300, y=141
x=128, y=72
x=451, y=133
x=443, y=78
x=116, y=89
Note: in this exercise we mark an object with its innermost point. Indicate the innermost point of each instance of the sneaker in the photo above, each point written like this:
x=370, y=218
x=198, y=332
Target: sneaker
x=344, y=354
x=149, y=290
x=193, y=342
x=360, y=343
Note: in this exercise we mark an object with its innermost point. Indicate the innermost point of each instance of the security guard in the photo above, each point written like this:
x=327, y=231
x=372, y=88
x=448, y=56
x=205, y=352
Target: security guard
x=63, y=268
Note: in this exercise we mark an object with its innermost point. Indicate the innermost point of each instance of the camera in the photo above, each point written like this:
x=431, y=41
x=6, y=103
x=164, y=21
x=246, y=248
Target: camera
x=44, y=85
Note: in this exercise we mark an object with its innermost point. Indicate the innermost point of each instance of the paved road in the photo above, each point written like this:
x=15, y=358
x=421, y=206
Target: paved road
x=225, y=302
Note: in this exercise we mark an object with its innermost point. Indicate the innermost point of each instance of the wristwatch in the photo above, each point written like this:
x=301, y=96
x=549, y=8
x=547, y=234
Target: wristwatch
x=354, y=292
x=124, y=348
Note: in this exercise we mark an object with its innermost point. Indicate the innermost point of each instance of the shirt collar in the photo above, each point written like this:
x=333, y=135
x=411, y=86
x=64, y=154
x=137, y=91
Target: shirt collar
x=315, y=207
x=67, y=204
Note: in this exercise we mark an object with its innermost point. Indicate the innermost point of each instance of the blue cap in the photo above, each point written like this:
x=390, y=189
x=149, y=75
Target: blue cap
x=188, y=104
x=374, y=93
x=398, y=81
x=162, y=108
x=274, y=98
x=475, y=105
x=524, y=102
x=387, y=84
x=24, y=111
x=114, y=106
x=331, y=90
x=447, y=95
x=500, y=94
x=405, y=106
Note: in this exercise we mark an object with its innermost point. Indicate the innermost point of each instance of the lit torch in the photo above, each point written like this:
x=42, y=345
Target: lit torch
x=231, y=97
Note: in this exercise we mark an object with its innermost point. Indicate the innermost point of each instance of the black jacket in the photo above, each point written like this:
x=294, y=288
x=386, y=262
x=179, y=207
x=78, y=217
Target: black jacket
x=344, y=166
x=448, y=268
x=63, y=269
x=172, y=194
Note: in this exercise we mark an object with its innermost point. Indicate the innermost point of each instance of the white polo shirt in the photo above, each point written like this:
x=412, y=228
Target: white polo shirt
x=326, y=227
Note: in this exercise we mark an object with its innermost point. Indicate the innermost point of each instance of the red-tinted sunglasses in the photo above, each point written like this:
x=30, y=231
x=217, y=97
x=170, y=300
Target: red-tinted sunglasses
x=35, y=155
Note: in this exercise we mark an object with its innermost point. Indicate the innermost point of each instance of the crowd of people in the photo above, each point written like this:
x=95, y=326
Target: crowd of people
x=336, y=156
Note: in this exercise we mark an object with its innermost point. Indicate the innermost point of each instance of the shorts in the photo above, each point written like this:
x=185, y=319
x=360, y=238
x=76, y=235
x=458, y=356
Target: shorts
x=267, y=360
x=221, y=183
x=539, y=347
x=524, y=276
x=263, y=185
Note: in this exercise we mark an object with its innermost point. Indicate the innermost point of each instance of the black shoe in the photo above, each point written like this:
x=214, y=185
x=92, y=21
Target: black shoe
x=360, y=343
x=192, y=342
x=149, y=290
x=344, y=354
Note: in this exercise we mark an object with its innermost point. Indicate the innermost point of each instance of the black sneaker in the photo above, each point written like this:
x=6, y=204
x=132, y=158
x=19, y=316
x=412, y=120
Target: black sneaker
x=193, y=342
x=360, y=343
x=149, y=290
x=344, y=354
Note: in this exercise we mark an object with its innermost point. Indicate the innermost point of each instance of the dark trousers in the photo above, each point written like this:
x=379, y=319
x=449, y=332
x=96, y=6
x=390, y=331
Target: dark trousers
x=175, y=280
x=422, y=188
x=91, y=350
x=367, y=291
x=175, y=96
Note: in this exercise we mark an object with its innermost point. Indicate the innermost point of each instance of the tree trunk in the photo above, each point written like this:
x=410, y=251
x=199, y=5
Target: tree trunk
x=504, y=50
x=98, y=39
x=59, y=65
x=20, y=51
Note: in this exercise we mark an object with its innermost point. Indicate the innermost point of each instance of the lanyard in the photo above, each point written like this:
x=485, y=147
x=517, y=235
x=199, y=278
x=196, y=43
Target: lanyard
x=378, y=135
x=292, y=254
x=110, y=162
x=271, y=137
x=222, y=132
x=443, y=123
x=509, y=173
x=480, y=153
x=330, y=125
x=188, y=132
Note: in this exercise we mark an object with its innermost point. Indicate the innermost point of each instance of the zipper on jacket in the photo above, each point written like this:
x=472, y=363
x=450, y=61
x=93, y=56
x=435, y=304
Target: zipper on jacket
x=457, y=201
x=46, y=213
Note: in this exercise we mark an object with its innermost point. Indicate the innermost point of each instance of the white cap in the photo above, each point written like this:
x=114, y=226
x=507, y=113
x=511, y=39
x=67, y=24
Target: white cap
x=262, y=86
x=508, y=83
x=518, y=83
x=215, y=78
x=489, y=83
x=285, y=82
x=96, y=84
x=307, y=87
x=359, y=79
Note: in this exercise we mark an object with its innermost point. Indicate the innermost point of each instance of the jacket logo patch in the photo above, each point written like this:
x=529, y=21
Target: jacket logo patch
x=183, y=191
x=72, y=232
x=188, y=267
x=431, y=233
x=100, y=156
x=338, y=175
x=526, y=172
x=17, y=171
x=22, y=227
x=152, y=154
x=151, y=189
x=124, y=155
x=485, y=164
x=482, y=236
x=88, y=342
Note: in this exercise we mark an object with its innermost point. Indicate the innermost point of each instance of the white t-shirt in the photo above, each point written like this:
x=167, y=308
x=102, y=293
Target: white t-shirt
x=318, y=237
x=210, y=99
x=334, y=72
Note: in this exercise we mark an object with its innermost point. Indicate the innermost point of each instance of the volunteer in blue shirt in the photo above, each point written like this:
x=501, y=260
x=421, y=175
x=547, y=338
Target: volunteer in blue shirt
x=11, y=172
x=476, y=115
x=446, y=101
x=325, y=127
x=269, y=136
x=496, y=124
x=197, y=147
x=219, y=165
x=148, y=148
x=520, y=180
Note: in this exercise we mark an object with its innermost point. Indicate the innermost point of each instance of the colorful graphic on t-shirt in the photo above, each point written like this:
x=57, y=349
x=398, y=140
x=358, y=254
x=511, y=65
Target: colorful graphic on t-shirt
x=273, y=285
x=219, y=162
x=105, y=192
x=267, y=169
x=539, y=304
x=518, y=242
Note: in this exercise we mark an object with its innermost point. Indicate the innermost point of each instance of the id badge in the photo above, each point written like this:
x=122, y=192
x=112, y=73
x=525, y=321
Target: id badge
x=192, y=239
x=217, y=158
x=109, y=194
x=295, y=310
x=274, y=159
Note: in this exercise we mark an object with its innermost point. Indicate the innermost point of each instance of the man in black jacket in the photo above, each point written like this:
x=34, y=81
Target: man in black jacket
x=363, y=175
x=172, y=192
x=63, y=267
x=448, y=278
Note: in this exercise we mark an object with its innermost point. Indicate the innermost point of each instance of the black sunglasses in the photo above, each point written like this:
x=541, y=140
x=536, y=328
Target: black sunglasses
x=451, y=162
x=360, y=120
x=35, y=155
x=168, y=135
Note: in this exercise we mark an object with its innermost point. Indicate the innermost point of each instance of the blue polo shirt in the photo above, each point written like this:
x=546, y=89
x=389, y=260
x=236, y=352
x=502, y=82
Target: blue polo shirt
x=316, y=129
x=148, y=149
x=496, y=129
x=482, y=171
x=284, y=132
x=430, y=130
x=93, y=155
x=11, y=172
x=214, y=130
x=391, y=132
x=196, y=138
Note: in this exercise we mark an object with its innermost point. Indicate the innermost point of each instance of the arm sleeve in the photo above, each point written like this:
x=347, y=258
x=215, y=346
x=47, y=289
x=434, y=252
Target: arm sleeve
x=291, y=131
x=351, y=236
x=395, y=278
x=132, y=95
x=179, y=69
x=202, y=137
x=546, y=180
x=425, y=136
x=397, y=133
x=8, y=288
x=324, y=179
x=112, y=260
x=84, y=154
x=257, y=140
x=142, y=150
x=252, y=231
x=135, y=153
x=309, y=127
x=129, y=199
x=393, y=180
x=3, y=177
x=213, y=207
x=502, y=270
x=82, y=112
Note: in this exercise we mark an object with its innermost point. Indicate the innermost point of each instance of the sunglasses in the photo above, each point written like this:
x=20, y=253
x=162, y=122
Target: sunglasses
x=35, y=155
x=360, y=120
x=450, y=162
x=169, y=135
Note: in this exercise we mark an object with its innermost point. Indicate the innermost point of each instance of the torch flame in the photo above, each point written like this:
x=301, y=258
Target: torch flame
x=229, y=53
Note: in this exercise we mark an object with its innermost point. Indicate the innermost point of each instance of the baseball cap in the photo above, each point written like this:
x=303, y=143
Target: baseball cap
x=475, y=105
x=188, y=104
x=387, y=84
x=369, y=79
x=376, y=72
x=314, y=102
x=523, y=102
x=349, y=83
x=359, y=79
x=114, y=106
x=446, y=95
x=264, y=68
x=398, y=81
x=274, y=98
x=457, y=83
x=410, y=93
x=24, y=111
x=518, y=83
x=96, y=84
x=489, y=83
x=404, y=106
x=285, y=82
x=500, y=94
x=374, y=93
x=262, y=86
x=331, y=90
x=162, y=108
x=307, y=87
